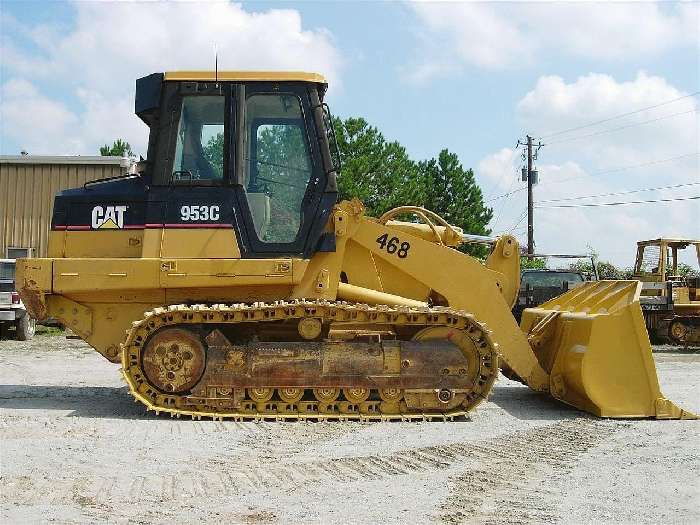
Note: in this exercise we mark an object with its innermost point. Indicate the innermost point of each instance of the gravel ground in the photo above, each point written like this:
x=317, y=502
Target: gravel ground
x=75, y=448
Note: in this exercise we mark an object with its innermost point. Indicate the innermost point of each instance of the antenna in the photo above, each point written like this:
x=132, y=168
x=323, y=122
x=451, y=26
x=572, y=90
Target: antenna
x=216, y=63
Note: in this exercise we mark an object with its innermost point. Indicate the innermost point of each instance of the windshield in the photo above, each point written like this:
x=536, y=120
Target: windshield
x=7, y=276
x=549, y=279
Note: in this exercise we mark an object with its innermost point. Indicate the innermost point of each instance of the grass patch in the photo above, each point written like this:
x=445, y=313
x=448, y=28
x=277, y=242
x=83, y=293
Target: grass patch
x=48, y=330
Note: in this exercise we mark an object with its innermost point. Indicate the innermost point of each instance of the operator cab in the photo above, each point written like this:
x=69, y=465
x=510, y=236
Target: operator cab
x=250, y=151
x=658, y=260
x=265, y=137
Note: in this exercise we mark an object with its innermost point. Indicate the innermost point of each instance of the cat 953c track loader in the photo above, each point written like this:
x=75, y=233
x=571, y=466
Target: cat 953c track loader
x=228, y=281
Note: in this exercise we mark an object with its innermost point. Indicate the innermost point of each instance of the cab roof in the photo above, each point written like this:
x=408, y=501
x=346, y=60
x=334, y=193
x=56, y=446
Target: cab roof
x=262, y=76
x=670, y=241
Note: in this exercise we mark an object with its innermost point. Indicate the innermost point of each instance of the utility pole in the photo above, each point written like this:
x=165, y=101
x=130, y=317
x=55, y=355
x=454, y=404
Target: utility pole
x=530, y=214
x=530, y=175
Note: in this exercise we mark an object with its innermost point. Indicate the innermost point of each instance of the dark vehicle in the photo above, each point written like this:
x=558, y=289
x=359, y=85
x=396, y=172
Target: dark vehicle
x=540, y=285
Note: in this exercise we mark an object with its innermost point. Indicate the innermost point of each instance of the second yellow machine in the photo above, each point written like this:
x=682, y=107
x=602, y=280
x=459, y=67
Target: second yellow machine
x=228, y=281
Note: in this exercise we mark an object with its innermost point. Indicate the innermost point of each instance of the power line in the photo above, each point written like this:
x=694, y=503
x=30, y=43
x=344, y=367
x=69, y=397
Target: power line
x=597, y=173
x=622, y=192
x=506, y=194
x=503, y=203
x=621, y=127
x=618, y=116
x=621, y=203
x=623, y=168
x=522, y=217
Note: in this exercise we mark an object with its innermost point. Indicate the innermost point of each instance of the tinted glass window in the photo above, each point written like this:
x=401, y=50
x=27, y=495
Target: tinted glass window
x=7, y=271
x=549, y=278
x=16, y=253
x=650, y=259
x=279, y=165
x=199, y=150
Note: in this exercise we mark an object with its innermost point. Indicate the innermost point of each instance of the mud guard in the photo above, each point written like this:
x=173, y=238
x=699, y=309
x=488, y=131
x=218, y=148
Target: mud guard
x=593, y=342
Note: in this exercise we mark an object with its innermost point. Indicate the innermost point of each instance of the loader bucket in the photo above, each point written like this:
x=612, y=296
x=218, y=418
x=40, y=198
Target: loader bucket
x=593, y=342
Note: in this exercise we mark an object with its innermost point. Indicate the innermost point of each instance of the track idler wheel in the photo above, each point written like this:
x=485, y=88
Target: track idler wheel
x=260, y=395
x=174, y=360
x=290, y=395
x=326, y=395
x=390, y=395
x=356, y=395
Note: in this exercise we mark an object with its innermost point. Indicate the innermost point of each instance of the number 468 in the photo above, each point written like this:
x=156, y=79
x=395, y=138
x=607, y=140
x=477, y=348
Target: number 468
x=392, y=246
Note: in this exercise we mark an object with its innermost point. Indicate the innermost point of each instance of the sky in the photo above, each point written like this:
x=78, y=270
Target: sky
x=473, y=77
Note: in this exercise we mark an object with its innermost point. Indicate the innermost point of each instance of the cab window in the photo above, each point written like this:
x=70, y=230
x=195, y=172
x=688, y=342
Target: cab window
x=648, y=259
x=199, y=149
x=279, y=165
x=7, y=276
x=547, y=279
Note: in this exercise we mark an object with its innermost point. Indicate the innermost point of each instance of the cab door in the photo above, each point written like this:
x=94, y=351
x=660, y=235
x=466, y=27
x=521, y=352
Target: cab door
x=281, y=179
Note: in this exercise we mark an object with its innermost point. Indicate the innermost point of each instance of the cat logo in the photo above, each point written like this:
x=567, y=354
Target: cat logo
x=108, y=217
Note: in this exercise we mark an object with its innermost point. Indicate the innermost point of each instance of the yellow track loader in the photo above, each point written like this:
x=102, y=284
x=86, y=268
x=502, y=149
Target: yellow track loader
x=228, y=281
x=670, y=301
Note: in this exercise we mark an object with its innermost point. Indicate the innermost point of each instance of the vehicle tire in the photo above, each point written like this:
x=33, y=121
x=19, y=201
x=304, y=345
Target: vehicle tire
x=25, y=328
x=678, y=332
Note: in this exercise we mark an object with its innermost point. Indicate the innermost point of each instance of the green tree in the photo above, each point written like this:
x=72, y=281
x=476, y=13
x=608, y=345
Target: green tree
x=382, y=176
x=120, y=148
x=687, y=270
x=214, y=153
x=606, y=270
x=537, y=263
x=449, y=190
x=377, y=172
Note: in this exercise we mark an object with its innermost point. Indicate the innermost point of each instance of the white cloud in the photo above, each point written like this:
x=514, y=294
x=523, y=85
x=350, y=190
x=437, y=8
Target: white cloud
x=112, y=44
x=35, y=120
x=478, y=33
x=613, y=231
x=498, y=35
x=554, y=105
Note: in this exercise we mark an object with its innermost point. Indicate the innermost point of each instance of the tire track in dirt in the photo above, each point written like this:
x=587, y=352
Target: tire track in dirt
x=524, y=471
x=512, y=471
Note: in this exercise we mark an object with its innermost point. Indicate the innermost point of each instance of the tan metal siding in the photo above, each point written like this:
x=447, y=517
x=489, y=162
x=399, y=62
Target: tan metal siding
x=26, y=199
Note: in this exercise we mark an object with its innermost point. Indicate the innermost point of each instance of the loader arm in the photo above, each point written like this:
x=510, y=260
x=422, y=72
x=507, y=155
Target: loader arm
x=467, y=285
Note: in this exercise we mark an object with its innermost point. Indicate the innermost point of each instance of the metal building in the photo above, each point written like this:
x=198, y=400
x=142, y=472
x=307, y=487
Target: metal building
x=28, y=184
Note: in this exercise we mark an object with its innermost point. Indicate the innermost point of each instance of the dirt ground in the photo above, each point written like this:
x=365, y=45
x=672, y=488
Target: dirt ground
x=75, y=448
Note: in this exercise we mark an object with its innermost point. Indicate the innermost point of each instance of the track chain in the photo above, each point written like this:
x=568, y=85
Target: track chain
x=328, y=311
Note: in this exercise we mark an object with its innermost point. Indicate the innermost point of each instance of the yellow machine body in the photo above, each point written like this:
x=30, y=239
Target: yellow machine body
x=670, y=301
x=587, y=348
x=211, y=314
